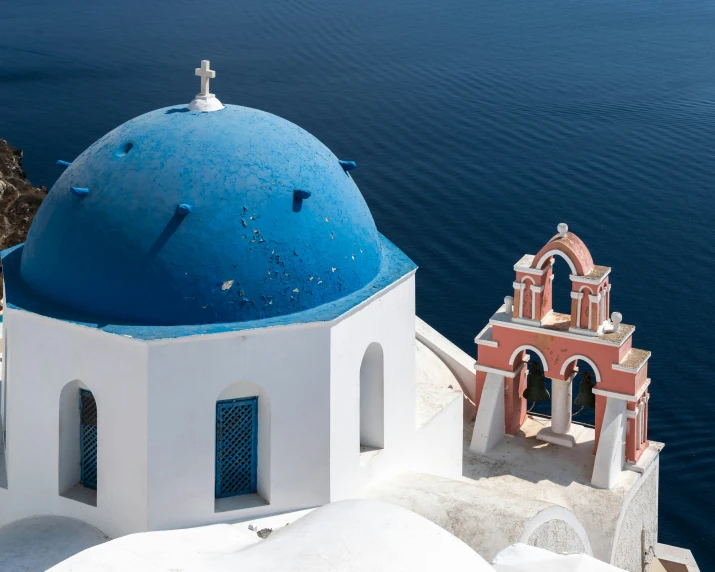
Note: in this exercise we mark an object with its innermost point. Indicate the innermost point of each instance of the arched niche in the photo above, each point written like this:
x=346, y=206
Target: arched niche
x=527, y=298
x=69, y=444
x=239, y=390
x=372, y=398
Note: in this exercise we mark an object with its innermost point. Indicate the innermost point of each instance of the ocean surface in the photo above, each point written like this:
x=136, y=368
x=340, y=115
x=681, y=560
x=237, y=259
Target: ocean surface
x=478, y=126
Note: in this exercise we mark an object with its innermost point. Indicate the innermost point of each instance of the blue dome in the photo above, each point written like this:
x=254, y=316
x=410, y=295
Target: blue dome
x=201, y=218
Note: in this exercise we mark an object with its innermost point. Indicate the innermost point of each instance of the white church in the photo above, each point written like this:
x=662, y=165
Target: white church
x=205, y=332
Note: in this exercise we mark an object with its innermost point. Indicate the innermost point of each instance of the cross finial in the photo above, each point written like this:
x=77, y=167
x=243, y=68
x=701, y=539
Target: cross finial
x=205, y=74
x=205, y=101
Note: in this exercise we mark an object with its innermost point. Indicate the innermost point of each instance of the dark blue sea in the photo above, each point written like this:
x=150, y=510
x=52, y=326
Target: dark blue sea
x=478, y=125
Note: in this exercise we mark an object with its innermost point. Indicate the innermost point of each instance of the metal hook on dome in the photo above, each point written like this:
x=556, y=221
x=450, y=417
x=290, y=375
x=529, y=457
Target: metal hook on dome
x=183, y=209
x=348, y=165
x=298, y=197
x=79, y=191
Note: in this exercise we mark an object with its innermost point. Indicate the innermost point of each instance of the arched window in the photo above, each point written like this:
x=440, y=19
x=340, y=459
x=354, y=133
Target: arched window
x=78, y=440
x=242, y=447
x=372, y=399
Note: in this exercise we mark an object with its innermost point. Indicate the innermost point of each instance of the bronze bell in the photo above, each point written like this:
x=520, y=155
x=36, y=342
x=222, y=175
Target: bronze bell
x=585, y=397
x=535, y=388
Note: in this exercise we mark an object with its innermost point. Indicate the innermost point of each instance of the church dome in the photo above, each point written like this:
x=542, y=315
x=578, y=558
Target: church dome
x=182, y=217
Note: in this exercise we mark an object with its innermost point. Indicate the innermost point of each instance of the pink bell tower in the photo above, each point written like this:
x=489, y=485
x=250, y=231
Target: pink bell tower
x=527, y=321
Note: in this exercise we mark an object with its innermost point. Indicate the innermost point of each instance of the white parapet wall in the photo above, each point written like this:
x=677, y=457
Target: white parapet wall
x=459, y=362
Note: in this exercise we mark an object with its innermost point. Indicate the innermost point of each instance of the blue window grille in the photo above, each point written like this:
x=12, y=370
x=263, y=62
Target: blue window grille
x=88, y=439
x=236, y=446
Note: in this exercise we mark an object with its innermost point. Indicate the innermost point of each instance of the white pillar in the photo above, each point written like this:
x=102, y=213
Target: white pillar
x=560, y=431
x=610, y=455
x=561, y=393
x=489, y=426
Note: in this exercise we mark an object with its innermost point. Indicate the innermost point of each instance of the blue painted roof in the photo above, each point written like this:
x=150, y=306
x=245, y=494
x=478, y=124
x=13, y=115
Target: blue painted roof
x=394, y=267
x=184, y=218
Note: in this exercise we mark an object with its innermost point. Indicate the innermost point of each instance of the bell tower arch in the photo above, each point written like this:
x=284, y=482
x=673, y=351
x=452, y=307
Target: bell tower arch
x=590, y=287
x=618, y=389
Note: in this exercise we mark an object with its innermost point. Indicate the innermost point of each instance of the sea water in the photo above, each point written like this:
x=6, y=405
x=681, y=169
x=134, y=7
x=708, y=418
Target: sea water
x=477, y=125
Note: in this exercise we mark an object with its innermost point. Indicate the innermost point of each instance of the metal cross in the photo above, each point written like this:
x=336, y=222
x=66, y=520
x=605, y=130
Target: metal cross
x=205, y=74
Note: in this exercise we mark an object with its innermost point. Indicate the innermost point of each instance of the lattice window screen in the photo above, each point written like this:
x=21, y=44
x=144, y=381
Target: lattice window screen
x=88, y=439
x=236, y=446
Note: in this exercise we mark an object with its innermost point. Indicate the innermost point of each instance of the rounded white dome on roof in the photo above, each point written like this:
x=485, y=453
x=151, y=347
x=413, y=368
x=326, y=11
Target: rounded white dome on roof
x=354, y=536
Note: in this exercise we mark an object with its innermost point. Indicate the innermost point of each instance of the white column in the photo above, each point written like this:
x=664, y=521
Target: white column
x=611, y=452
x=578, y=319
x=561, y=392
x=520, y=287
x=489, y=426
x=594, y=315
x=560, y=431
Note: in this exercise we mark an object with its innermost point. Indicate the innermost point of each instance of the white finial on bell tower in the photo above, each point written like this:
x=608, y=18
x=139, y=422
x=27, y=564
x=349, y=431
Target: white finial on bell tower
x=562, y=228
x=205, y=101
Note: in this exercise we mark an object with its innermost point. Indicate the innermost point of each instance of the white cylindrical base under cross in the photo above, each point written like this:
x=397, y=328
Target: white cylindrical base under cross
x=561, y=393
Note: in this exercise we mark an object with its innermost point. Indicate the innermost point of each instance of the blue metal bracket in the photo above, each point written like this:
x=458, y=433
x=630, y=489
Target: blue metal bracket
x=348, y=165
x=79, y=191
x=63, y=164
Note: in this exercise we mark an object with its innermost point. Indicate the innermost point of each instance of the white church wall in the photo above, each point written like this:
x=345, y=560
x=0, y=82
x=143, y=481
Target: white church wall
x=289, y=367
x=637, y=526
x=388, y=320
x=3, y=385
x=156, y=405
x=3, y=412
x=47, y=355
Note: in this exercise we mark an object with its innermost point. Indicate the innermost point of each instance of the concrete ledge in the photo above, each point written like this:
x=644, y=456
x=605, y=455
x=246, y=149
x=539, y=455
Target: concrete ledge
x=82, y=494
x=673, y=559
x=239, y=502
x=648, y=456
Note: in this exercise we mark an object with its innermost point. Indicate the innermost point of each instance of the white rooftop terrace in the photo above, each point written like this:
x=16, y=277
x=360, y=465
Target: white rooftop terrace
x=503, y=496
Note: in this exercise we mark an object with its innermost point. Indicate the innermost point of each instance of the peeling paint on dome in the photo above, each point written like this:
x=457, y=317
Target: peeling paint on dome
x=124, y=252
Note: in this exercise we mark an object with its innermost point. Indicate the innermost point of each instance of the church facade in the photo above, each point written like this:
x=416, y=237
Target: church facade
x=205, y=326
